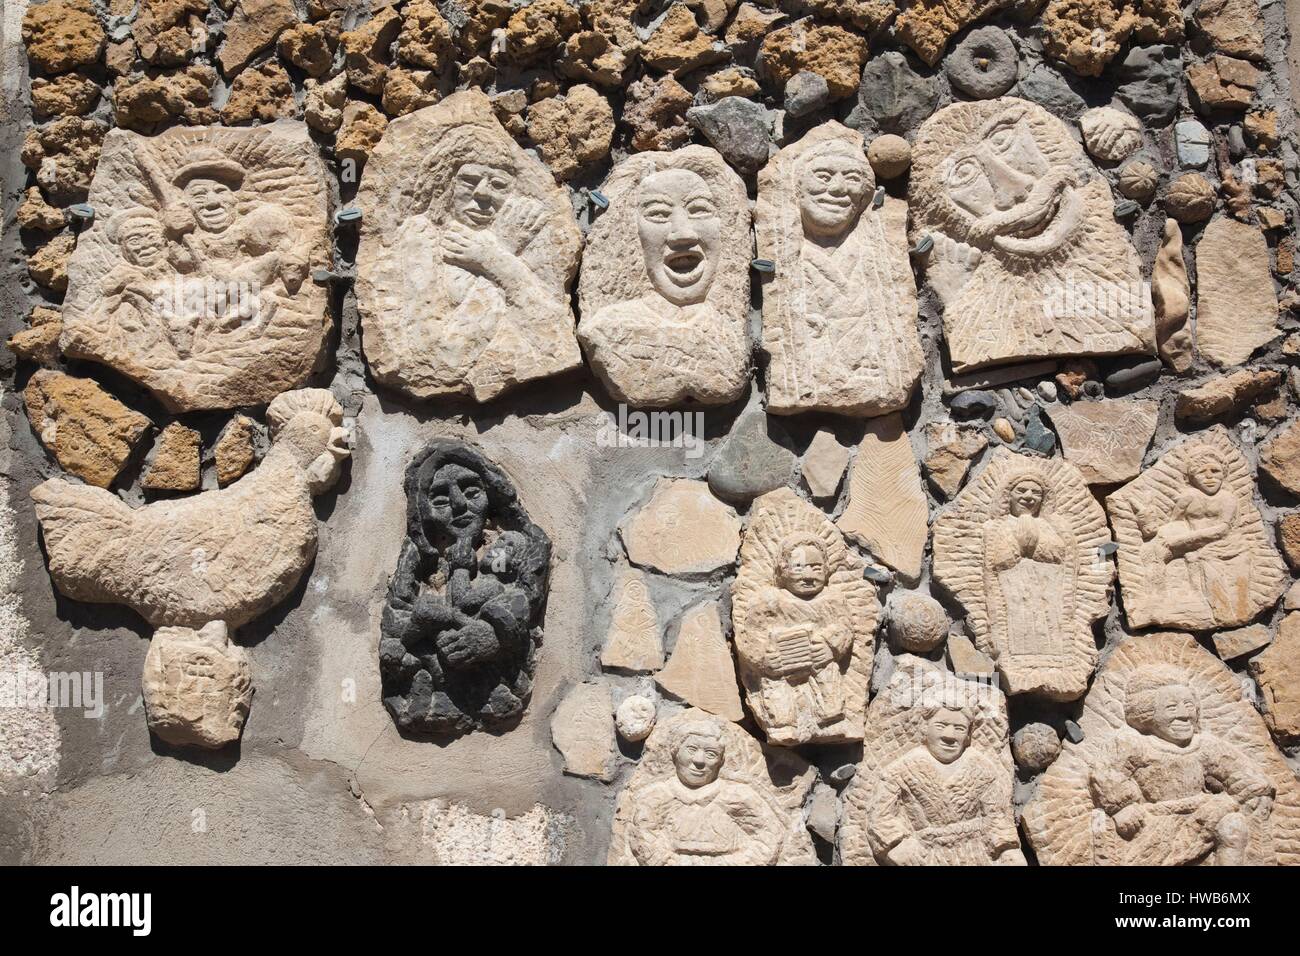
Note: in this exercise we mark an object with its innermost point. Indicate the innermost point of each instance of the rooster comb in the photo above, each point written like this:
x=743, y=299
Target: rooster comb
x=316, y=401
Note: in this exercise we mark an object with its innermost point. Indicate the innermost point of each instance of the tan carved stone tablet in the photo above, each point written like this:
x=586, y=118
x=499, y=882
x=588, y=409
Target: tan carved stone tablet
x=468, y=249
x=708, y=794
x=1020, y=548
x=934, y=785
x=664, y=290
x=225, y=555
x=195, y=278
x=804, y=620
x=197, y=686
x=887, y=509
x=1028, y=259
x=1175, y=768
x=1193, y=549
x=839, y=313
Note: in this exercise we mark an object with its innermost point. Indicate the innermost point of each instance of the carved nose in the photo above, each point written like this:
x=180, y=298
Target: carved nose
x=1010, y=186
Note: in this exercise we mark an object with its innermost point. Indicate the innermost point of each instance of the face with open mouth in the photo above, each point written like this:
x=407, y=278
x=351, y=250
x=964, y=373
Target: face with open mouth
x=456, y=503
x=832, y=191
x=680, y=231
x=478, y=193
x=212, y=204
x=947, y=735
x=1020, y=203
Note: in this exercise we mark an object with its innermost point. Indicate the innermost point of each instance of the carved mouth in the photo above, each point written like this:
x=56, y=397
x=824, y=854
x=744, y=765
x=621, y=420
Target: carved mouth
x=685, y=267
x=478, y=215
x=1046, y=228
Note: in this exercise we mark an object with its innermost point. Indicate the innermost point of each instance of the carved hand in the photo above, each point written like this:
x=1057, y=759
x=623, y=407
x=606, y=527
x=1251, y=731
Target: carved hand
x=178, y=220
x=950, y=265
x=1130, y=820
x=472, y=644
x=473, y=251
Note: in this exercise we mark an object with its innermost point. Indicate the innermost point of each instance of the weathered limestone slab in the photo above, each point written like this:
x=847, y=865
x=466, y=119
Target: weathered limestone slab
x=463, y=616
x=1236, y=307
x=700, y=671
x=1277, y=671
x=682, y=529
x=1193, y=549
x=823, y=464
x=234, y=453
x=1105, y=440
x=194, y=279
x=839, y=313
x=1020, y=548
x=90, y=433
x=934, y=785
x=225, y=555
x=1224, y=395
x=706, y=793
x=1241, y=641
x=1165, y=727
x=197, y=686
x=1279, y=458
x=634, y=642
x=950, y=451
x=468, y=249
x=1028, y=259
x=582, y=729
x=664, y=290
x=1171, y=299
x=175, y=465
x=887, y=508
x=804, y=620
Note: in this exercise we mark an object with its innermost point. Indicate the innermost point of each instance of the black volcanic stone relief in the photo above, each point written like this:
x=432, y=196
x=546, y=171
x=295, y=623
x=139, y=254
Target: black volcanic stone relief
x=462, y=621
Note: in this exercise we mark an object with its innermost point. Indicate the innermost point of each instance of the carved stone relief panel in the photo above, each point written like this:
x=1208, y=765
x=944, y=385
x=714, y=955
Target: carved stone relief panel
x=1175, y=768
x=839, y=314
x=195, y=277
x=664, y=290
x=1193, y=549
x=934, y=785
x=1020, y=547
x=804, y=620
x=463, y=616
x=1028, y=259
x=468, y=249
x=708, y=794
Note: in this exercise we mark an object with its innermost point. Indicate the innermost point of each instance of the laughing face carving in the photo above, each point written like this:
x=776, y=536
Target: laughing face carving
x=664, y=289
x=1028, y=259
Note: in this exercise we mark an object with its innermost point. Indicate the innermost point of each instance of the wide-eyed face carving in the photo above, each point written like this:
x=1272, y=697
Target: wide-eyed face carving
x=833, y=186
x=1019, y=202
x=681, y=232
x=478, y=192
x=455, y=503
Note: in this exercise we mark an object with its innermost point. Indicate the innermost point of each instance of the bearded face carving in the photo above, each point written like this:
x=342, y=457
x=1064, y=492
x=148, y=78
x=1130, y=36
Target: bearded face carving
x=1027, y=257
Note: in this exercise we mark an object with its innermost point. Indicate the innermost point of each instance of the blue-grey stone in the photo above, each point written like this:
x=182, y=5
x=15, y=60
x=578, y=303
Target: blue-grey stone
x=752, y=461
x=1193, y=142
x=1074, y=732
x=1133, y=377
x=893, y=97
x=1150, y=78
x=984, y=64
x=1038, y=437
x=972, y=404
x=738, y=128
x=805, y=92
x=1051, y=91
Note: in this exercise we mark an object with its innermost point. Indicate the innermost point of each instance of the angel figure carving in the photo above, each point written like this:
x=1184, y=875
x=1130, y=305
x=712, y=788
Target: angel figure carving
x=466, y=256
x=1028, y=259
x=839, y=313
x=704, y=795
x=1174, y=768
x=804, y=619
x=1193, y=548
x=934, y=788
x=1021, y=548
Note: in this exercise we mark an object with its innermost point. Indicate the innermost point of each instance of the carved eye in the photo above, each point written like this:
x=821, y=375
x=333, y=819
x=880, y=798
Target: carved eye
x=700, y=208
x=1002, y=138
x=965, y=173
x=440, y=501
x=656, y=211
x=711, y=754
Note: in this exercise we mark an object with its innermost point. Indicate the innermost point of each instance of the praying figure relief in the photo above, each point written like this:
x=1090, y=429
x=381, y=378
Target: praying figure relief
x=1020, y=547
x=664, y=291
x=1028, y=259
x=1194, y=551
x=934, y=786
x=1175, y=768
x=194, y=279
x=464, y=612
x=839, y=313
x=804, y=621
x=468, y=249
x=706, y=794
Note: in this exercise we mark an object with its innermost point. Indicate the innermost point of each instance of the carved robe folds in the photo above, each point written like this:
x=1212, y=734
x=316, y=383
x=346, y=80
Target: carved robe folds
x=839, y=314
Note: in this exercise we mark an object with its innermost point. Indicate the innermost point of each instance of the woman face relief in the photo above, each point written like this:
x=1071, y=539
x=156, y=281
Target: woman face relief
x=680, y=231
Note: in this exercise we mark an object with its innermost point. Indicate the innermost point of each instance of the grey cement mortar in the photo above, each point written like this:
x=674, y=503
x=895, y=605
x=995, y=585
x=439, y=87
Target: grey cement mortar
x=321, y=775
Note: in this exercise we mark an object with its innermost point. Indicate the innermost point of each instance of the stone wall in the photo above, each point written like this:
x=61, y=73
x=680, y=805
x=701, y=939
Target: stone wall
x=977, y=350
